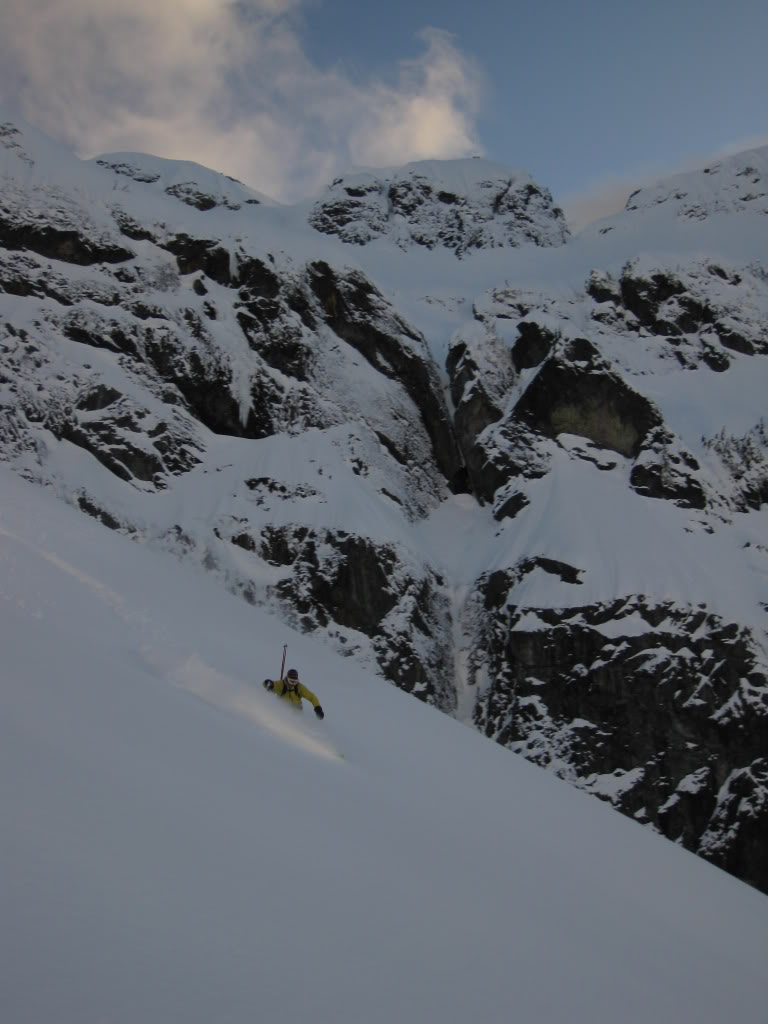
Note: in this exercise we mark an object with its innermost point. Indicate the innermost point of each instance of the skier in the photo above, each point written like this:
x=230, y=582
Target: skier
x=291, y=689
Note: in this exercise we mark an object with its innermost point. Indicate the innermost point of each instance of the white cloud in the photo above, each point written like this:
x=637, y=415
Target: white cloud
x=227, y=84
x=428, y=115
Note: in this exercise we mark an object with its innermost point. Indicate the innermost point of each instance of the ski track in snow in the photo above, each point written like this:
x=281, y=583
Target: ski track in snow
x=219, y=690
x=191, y=673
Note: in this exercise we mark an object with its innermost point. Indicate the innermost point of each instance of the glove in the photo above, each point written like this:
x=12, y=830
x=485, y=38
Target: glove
x=319, y=712
x=268, y=684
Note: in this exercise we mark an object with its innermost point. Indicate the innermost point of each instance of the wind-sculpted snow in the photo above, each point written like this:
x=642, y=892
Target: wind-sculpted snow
x=527, y=485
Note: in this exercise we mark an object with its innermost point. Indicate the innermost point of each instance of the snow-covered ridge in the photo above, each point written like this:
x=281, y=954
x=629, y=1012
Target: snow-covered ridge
x=735, y=184
x=191, y=183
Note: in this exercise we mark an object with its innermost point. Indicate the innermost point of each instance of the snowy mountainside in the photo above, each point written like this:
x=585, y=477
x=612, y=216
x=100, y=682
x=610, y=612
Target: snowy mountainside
x=179, y=846
x=460, y=205
x=525, y=482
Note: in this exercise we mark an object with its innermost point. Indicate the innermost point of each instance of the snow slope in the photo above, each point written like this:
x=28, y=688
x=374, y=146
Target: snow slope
x=177, y=846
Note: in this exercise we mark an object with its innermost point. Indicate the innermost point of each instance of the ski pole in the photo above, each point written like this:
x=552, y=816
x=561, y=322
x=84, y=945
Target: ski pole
x=282, y=667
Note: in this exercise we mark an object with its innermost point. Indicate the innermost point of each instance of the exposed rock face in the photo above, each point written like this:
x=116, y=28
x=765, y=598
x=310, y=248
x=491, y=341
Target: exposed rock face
x=144, y=445
x=461, y=206
x=289, y=324
x=358, y=313
x=202, y=255
x=64, y=237
x=578, y=394
x=676, y=306
x=666, y=470
x=565, y=383
x=355, y=589
x=660, y=709
x=573, y=391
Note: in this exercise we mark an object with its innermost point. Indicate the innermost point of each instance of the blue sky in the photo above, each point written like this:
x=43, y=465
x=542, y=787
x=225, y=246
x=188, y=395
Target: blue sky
x=590, y=97
x=582, y=94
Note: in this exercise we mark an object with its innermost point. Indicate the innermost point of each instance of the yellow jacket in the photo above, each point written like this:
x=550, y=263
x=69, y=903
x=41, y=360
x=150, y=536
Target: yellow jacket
x=294, y=692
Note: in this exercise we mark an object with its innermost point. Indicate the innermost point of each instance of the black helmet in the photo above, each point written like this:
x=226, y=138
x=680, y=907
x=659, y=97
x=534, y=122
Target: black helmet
x=292, y=673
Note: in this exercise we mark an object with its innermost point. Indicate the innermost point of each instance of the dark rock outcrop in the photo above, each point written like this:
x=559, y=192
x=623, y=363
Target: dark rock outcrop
x=665, y=470
x=533, y=345
x=699, y=310
x=200, y=255
x=345, y=585
x=579, y=395
x=67, y=244
x=356, y=311
x=660, y=709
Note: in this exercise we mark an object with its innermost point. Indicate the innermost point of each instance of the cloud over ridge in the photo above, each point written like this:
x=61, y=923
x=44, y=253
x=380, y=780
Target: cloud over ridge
x=230, y=85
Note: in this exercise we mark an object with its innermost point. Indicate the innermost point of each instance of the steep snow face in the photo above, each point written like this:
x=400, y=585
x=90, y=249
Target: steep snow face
x=178, y=846
x=527, y=486
x=461, y=205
